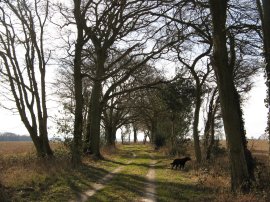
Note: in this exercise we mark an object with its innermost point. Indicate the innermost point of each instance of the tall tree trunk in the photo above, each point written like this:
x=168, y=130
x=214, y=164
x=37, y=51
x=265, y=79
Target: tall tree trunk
x=196, y=138
x=110, y=135
x=38, y=143
x=95, y=119
x=77, y=140
x=122, y=138
x=110, y=126
x=211, y=133
x=87, y=133
x=45, y=143
x=228, y=98
x=153, y=130
x=86, y=99
x=172, y=131
x=135, y=133
x=209, y=126
x=43, y=123
x=264, y=11
x=266, y=29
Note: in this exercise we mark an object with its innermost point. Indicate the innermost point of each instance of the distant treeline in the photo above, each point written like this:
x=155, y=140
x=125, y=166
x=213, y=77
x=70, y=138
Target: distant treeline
x=13, y=137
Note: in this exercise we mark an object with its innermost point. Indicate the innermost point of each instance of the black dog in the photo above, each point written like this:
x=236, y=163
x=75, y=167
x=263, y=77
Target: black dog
x=180, y=162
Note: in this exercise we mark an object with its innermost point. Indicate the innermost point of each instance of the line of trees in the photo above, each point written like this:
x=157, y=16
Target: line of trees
x=13, y=137
x=107, y=56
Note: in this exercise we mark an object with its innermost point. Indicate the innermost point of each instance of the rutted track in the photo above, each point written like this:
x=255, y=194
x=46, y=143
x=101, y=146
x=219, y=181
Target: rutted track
x=150, y=189
x=100, y=184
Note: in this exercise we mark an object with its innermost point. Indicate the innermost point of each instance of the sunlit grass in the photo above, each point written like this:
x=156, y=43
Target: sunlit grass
x=130, y=183
x=176, y=185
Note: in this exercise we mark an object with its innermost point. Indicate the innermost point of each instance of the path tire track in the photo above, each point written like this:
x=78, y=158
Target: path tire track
x=150, y=189
x=100, y=184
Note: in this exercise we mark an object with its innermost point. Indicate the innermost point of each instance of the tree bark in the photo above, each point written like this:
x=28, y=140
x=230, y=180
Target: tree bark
x=153, y=131
x=78, y=123
x=211, y=141
x=110, y=119
x=195, y=126
x=87, y=132
x=95, y=112
x=110, y=135
x=173, y=130
x=228, y=98
x=209, y=129
x=38, y=144
x=266, y=30
x=264, y=11
x=122, y=138
x=135, y=133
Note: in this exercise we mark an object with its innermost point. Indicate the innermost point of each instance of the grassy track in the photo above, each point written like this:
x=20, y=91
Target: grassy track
x=172, y=185
x=129, y=184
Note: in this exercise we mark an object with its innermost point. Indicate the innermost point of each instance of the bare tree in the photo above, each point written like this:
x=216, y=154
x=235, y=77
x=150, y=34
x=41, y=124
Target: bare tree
x=24, y=60
x=79, y=14
x=200, y=77
x=109, y=25
x=229, y=98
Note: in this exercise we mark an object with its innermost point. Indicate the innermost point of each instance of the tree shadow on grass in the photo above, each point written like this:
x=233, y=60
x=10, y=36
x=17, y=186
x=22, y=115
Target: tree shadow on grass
x=60, y=186
x=138, y=157
x=171, y=191
x=126, y=187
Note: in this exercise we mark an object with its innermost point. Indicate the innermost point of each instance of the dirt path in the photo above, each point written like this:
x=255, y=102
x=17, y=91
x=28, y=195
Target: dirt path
x=100, y=184
x=150, y=189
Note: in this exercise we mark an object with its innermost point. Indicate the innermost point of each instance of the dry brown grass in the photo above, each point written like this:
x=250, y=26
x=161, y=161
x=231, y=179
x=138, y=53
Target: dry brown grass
x=21, y=169
x=15, y=148
x=260, y=146
x=215, y=176
x=252, y=197
x=22, y=148
x=19, y=165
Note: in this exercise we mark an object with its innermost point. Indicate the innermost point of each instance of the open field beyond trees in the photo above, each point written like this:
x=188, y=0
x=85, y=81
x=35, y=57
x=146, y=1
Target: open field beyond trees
x=24, y=177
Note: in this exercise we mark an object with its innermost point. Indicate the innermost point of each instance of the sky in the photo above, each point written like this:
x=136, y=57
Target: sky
x=255, y=112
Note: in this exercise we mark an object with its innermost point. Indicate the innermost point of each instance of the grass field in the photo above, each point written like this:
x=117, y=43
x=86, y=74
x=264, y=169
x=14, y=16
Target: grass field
x=15, y=148
x=259, y=148
x=23, y=177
